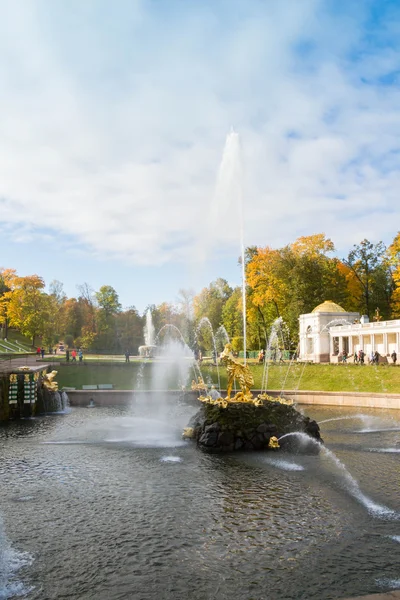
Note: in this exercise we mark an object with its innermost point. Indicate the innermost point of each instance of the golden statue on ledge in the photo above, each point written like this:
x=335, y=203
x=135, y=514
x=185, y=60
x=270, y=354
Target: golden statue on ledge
x=240, y=372
x=49, y=383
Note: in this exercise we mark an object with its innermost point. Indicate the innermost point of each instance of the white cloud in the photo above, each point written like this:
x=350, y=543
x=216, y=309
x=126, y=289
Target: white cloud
x=112, y=125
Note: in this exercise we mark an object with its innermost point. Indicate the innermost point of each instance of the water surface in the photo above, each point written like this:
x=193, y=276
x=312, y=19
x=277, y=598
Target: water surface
x=111, y=504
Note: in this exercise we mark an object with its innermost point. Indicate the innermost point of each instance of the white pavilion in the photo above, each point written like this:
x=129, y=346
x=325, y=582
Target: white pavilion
x=329, y=330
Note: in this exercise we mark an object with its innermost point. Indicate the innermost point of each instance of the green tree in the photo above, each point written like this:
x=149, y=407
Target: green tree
x=369, y=264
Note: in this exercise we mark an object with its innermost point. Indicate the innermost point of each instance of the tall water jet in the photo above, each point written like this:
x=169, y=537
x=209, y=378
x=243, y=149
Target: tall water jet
x=149, y=330
x=148, y=350
x=230, y=193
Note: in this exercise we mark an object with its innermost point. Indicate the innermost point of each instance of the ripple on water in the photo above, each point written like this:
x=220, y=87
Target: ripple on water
x=171, y=459
x=286, y=465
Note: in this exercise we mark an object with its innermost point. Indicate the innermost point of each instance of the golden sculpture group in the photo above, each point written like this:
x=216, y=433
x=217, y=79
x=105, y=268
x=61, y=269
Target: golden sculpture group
x=242, y=374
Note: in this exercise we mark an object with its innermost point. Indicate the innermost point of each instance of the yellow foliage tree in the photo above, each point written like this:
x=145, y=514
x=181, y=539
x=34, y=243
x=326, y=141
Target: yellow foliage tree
x=394, y=259
x=25, y=306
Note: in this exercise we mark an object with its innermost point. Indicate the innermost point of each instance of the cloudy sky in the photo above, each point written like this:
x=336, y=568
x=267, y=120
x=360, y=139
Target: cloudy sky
x=114, y=116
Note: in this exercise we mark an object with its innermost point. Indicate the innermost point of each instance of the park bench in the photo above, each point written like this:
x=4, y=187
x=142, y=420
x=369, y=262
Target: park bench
x=105, y=386
x=89, y=387
x=68, y=389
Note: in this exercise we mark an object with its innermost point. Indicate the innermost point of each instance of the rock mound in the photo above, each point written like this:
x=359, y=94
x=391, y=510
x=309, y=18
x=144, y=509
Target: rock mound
x=243, y=426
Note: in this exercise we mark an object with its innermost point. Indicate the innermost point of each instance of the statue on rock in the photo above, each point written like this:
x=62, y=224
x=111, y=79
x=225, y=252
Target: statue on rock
x=241, y=373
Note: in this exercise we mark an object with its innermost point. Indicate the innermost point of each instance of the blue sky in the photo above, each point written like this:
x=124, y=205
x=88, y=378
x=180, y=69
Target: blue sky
x=113, y=120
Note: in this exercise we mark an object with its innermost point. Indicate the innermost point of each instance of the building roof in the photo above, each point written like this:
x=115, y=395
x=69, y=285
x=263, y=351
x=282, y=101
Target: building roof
x=328, y=307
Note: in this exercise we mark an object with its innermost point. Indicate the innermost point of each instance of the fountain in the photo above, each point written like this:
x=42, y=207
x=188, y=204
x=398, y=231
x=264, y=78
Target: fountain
x=242, y=422
x=149, y=349
x=255, y=524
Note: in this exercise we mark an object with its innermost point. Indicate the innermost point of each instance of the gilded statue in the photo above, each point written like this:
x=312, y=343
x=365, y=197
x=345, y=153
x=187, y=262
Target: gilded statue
x=240, y=372
x=48, y=381
x=199, y=385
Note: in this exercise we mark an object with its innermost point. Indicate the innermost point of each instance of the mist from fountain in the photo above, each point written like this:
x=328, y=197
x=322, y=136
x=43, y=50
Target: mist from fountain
x=175, y=355
x=273, y=345
x=229, y=193
x=206, y=321
x=221, y=338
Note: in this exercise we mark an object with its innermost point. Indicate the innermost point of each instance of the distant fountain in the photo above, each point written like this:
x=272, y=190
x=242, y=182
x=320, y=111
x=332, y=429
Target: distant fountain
x=176, y=360
x=149, y=348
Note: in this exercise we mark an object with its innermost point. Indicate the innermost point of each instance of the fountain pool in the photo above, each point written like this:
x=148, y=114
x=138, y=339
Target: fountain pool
x=106, y=509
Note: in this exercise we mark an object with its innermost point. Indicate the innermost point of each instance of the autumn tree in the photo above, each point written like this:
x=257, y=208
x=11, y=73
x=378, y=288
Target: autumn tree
x=393, y=254
x=27, y=306
x=292, y=280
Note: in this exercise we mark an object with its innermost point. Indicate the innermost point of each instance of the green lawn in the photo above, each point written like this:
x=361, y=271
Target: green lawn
x=123, y=376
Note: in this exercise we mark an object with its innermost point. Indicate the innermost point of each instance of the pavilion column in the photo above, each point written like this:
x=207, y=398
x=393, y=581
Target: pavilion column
x=372, y=342
x=351, y=345
x=361, y=339
x=385, y=344
x=397, y=342
x=340, y=344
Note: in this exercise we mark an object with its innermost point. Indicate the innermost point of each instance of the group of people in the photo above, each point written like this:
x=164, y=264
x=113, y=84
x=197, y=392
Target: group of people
x=359, y=357
x=40, y=352
x=74, y=354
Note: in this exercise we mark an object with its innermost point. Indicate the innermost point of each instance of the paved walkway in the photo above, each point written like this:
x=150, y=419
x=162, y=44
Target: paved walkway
x=11, y=364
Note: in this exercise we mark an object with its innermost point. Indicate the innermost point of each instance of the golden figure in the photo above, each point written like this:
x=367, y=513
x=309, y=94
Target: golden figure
x=199, y=385
x=48, y=381
x=241, y=373
x=273, y=442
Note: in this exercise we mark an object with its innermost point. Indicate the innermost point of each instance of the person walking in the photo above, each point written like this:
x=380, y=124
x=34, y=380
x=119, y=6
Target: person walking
x=73, y=354
x=376, y=357
x=42, y=352
x=393, y=356
x=355, y=357
x=80, y=355
x=127, y=356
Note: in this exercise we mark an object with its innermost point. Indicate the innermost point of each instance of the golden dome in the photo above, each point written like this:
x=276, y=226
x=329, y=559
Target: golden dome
x=328, y=307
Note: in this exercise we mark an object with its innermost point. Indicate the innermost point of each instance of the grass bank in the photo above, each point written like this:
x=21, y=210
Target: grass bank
x=335, y=378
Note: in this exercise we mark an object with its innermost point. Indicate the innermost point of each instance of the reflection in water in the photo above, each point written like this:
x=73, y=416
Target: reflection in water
x=145, y=516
